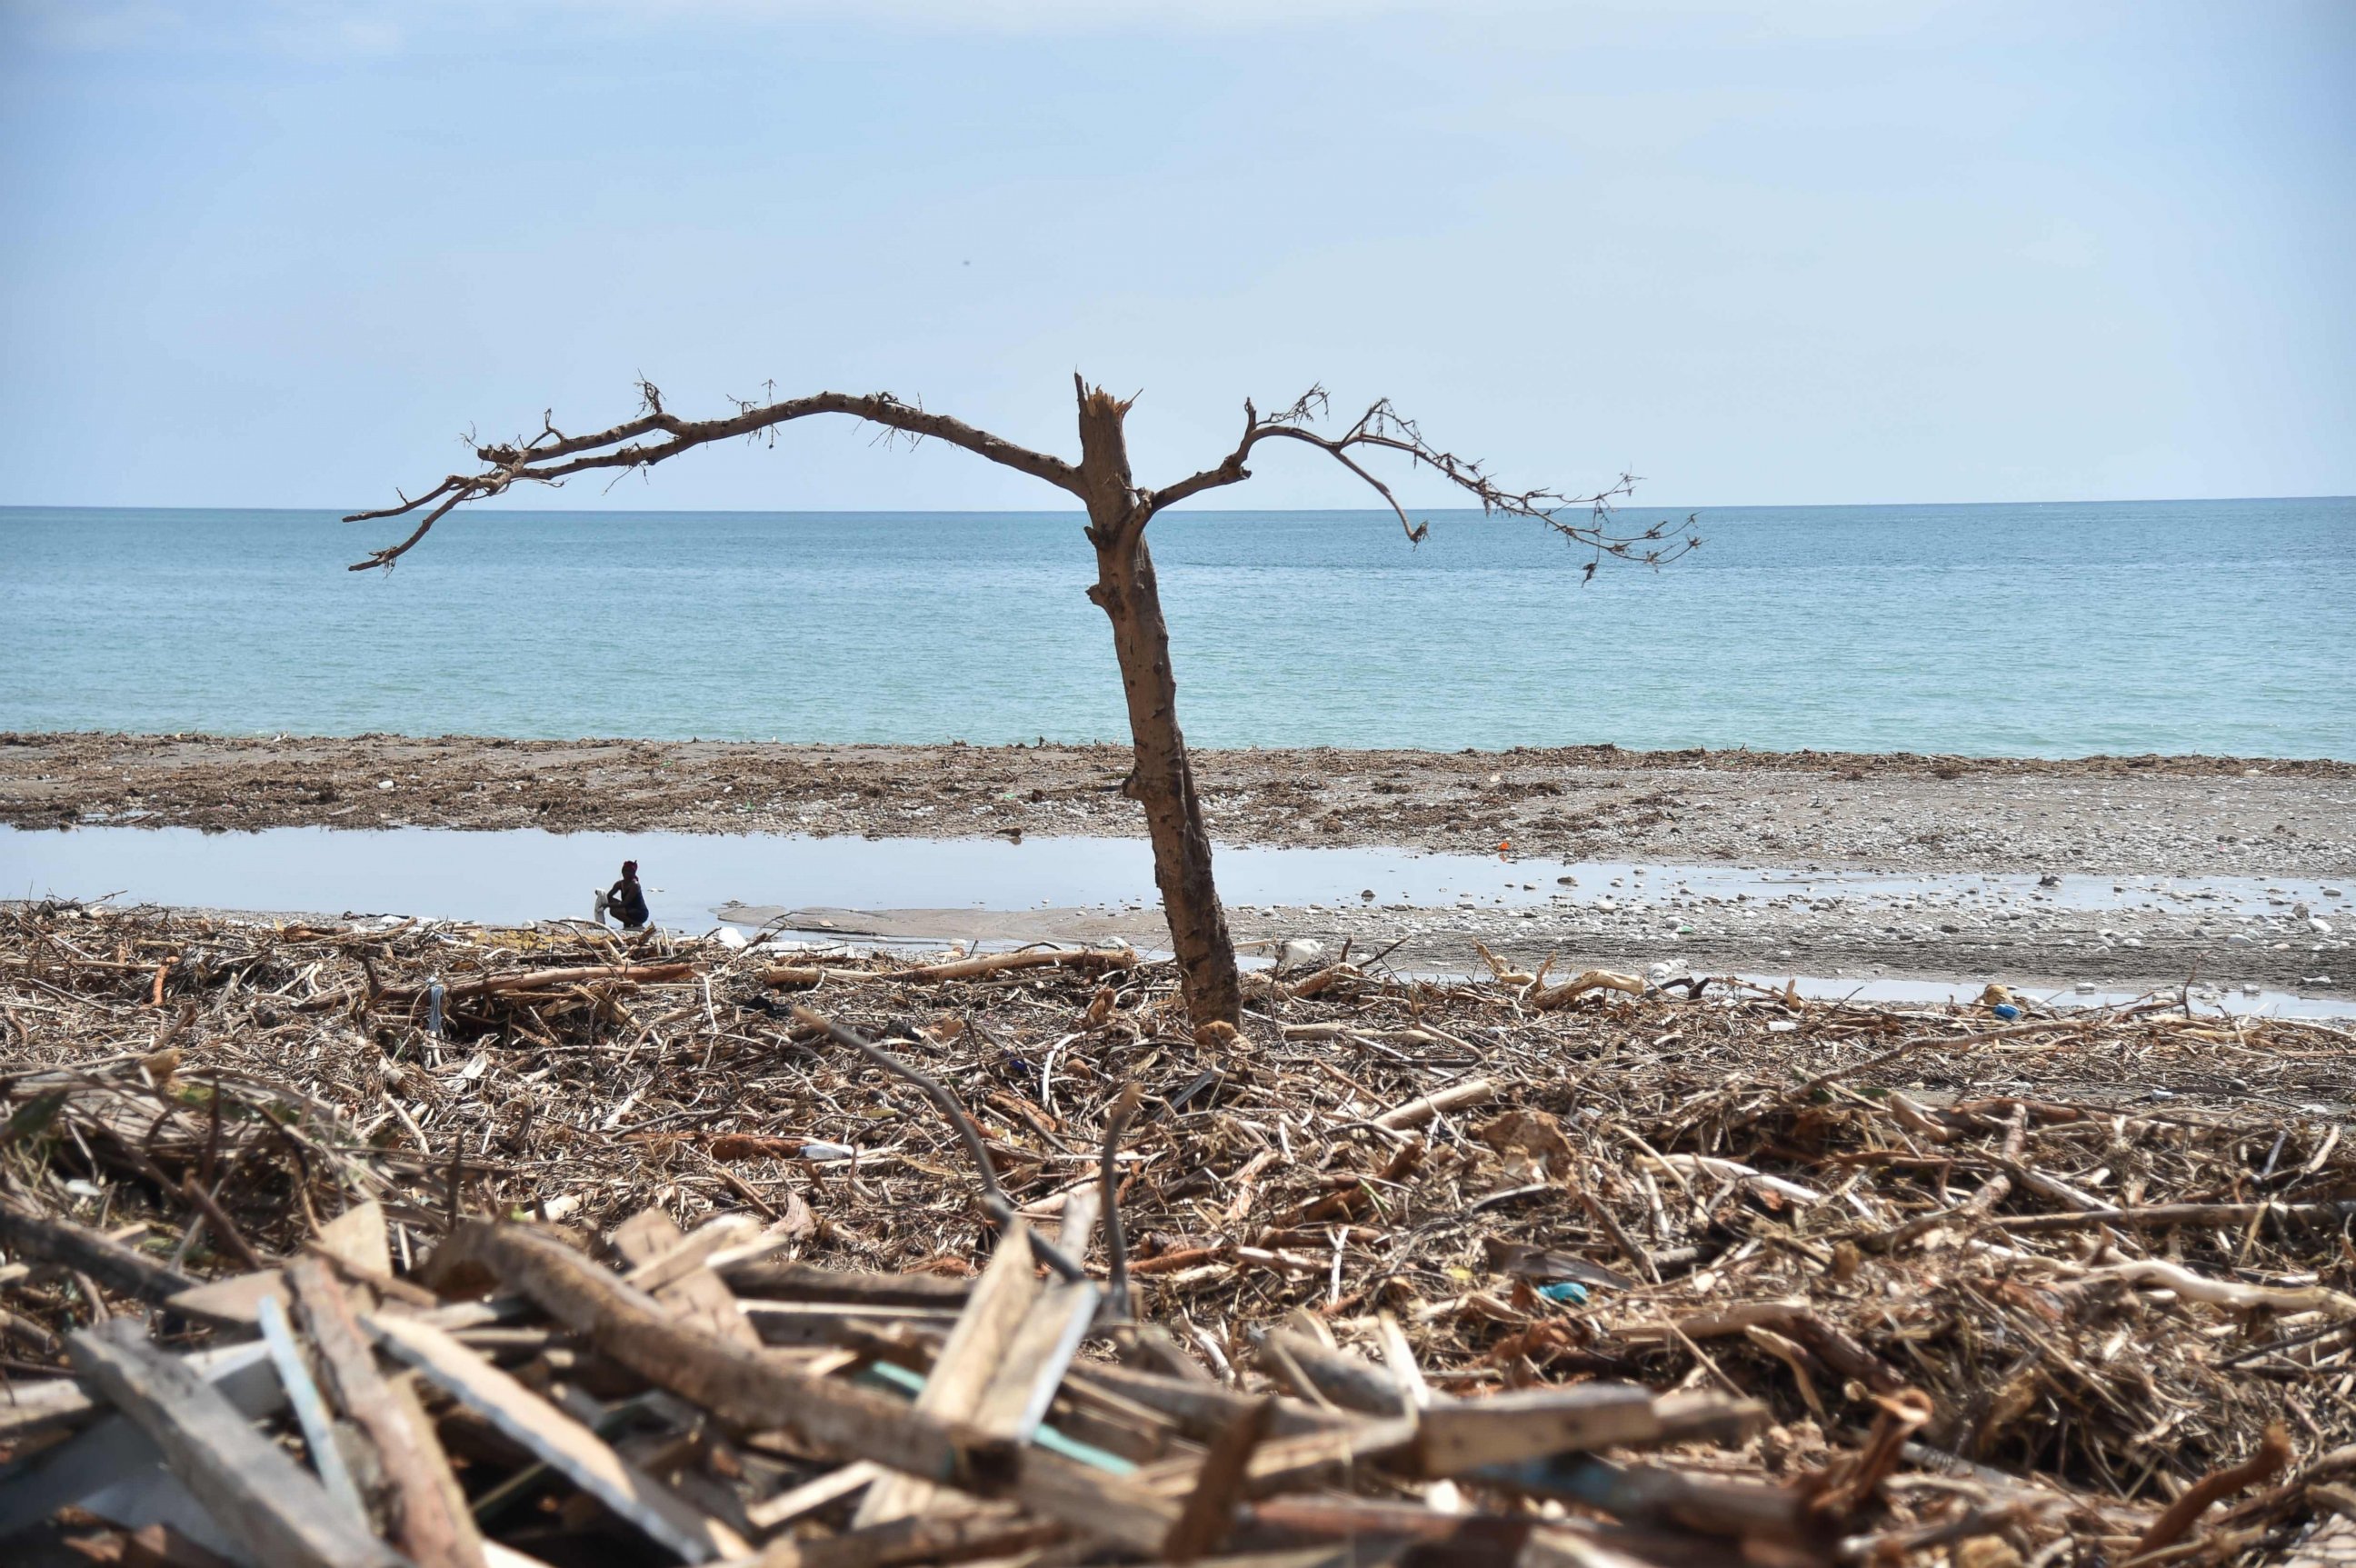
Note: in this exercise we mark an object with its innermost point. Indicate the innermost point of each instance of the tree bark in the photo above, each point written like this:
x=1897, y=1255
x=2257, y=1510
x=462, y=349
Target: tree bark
x=1163, y=780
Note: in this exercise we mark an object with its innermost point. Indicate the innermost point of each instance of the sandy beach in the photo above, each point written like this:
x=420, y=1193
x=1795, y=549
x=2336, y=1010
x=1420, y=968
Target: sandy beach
x=1915, y=835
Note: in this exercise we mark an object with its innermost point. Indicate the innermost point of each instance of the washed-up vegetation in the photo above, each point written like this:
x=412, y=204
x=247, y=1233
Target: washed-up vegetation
x=394, y=1240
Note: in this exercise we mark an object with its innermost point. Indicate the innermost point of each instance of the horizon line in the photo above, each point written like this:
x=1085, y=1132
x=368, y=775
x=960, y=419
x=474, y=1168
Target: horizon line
x=340, y=515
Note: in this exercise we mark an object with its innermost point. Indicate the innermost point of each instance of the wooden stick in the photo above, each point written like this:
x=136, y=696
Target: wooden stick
x=528, y=979
x=785, y=1280
x=2274, y=1453
x=1455, y=1097
x=247, y=1483
x=424, y=1526
x=1211, y=1507
x=2227, y=1294
x=1202, y=1410
x=548, y=979
x=1351, y=1381
x=1580, y=985
x=997, y=1533
x=1791, y=1318
x=2160, y=1217
x=207, y=1205
x=78, y=1248
x=1109, y=1199
x=995, y=1201
x=797, y=1502
x=1031, y=958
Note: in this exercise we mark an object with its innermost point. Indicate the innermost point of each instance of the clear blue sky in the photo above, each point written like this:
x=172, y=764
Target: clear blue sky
x=267, y=252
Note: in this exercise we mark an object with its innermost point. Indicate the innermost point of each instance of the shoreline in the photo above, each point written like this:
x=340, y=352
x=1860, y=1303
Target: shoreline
x=2161, y=815
x=1941, y=827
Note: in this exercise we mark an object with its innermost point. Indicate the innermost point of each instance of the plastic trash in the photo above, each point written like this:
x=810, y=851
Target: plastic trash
x=1568, y=1291
x=2006, y=1011
x=816, y=1149
x=434, y=1007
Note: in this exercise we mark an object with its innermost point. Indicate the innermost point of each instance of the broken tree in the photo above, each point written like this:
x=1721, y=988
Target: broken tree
x=1119, y=508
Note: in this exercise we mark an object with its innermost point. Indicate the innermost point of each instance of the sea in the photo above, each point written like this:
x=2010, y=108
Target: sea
x=2221, y=627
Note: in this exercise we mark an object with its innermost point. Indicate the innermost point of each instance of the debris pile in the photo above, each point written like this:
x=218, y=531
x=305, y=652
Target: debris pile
x=388, y=1242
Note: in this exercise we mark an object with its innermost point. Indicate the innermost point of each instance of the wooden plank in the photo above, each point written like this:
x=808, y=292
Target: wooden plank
x=961, y=1372
x=359, y=1237
x=424, y=1523
x=248, y=1484
x=233, y=1302
x=560, y=1442
x=1530, y=1424
x=1036, y=1357
x=668, y=1265
x=1083, y=1207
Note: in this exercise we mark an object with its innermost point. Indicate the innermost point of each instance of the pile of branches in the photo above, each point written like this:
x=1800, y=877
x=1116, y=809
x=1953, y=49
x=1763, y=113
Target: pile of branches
x=478, y=1245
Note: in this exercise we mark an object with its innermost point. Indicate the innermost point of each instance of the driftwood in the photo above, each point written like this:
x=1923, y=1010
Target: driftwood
x=429, y=1523
x=1089, y=960
x=1455, y=1097
x=1337, y=1339
x=76, y=1247
x=2273, y=1455
x=1579, y=985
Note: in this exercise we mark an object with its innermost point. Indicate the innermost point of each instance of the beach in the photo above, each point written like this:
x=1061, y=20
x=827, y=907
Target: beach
x=2166, y=871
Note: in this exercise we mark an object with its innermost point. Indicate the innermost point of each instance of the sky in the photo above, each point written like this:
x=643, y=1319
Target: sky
x=287, y=253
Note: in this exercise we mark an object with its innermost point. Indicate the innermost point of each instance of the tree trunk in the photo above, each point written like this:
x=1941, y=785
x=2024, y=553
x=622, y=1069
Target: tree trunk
x=1163, y=780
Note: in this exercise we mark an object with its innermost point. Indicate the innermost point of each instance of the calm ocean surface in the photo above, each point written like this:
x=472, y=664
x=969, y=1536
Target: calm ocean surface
x=2045, y=630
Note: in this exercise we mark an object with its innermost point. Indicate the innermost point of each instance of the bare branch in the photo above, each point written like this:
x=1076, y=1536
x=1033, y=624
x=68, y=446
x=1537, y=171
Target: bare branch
x=995, y=1201
x=1107, y=1175
x=1584, y=520
x=550, y=455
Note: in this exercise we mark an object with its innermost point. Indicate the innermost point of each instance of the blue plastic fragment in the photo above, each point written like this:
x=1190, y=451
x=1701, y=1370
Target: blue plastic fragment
x=1569, y=1291
x=2006, y=1011
x=898, y=1380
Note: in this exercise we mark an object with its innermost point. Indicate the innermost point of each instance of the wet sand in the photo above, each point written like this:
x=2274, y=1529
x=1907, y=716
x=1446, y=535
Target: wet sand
x=1951, y=821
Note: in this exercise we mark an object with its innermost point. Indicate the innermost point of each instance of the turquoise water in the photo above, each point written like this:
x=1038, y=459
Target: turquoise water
x=2046, y=631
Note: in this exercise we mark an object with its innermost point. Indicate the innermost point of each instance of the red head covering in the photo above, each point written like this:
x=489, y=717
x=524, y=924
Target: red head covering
x=629, y=869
